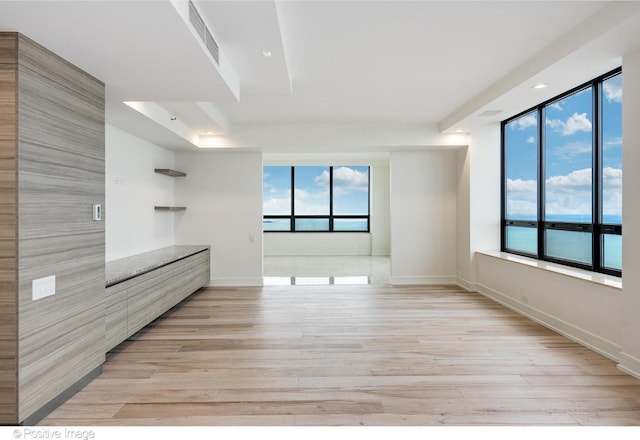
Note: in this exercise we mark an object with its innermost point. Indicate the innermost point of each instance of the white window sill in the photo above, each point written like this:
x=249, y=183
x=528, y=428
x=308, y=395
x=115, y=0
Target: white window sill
x=592, y=277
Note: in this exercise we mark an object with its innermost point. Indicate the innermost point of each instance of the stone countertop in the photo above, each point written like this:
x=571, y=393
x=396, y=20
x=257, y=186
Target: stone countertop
x=125, y=268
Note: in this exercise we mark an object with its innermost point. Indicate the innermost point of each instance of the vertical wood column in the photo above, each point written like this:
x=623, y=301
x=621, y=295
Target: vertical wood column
x=8, y=229
x=51, y=174
x=61, y=176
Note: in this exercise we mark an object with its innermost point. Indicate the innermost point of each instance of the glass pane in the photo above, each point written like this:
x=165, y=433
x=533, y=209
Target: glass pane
x=276, y=224
x=522, y=239
x=569, y=245
x=351, y=190
x=521, y=166
x=612, y=251
x=612, y=150
x=350, y=224
x=312, y=224
x=311, y=190
x=276, y=191
x=569, y=158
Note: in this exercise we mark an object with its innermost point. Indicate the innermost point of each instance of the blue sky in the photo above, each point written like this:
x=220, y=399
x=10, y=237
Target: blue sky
x=350, y=188
x=568, y=137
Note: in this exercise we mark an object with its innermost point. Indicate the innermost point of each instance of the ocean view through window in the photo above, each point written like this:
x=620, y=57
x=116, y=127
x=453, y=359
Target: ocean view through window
x=562, y=178
x=315, y=198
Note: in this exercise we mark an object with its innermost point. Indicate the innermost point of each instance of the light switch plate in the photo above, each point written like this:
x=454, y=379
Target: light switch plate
x=43, y=287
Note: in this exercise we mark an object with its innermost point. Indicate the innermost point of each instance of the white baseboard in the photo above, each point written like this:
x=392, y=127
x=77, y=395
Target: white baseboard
x=426, y=281
x=467, y=285
x=629, y=364
x=575, y=333
x=235, y=282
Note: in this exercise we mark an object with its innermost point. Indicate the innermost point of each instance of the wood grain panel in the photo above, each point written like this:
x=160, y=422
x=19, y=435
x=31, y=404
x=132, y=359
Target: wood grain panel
x=8, y=47
x=49, y=65
x=61, y=175
x=115, y=315
x=8, y=231
x=132, y=304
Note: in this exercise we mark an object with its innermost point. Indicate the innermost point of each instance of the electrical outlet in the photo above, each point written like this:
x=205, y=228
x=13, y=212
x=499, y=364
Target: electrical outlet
x=43, y=287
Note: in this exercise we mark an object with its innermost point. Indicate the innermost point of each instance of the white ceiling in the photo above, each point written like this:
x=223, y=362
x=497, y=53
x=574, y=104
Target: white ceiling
x=343, y=76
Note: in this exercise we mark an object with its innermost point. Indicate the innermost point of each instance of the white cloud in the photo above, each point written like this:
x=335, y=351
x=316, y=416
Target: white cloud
x=613, y=142
x=556, y=105
x=516, y=207
x=611, y=178
x=350, y=179
x=566, y=195
x=521, y=186
x=576, y=180
x=531, y=140
x=323, y=179
x=345, y=180
x=277, y=205
x=522, y=197
x=572, y=150
x=554, y=123
x=576, y=122
x=311, y=203
x=526, y=122
x=612, y=91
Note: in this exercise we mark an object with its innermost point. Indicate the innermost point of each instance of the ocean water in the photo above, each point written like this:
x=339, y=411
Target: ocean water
x=569, y=245
x=316, y=224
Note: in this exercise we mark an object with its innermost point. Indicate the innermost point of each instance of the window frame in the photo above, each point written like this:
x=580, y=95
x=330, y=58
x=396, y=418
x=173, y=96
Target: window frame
x=331, y=216
x=596, y=227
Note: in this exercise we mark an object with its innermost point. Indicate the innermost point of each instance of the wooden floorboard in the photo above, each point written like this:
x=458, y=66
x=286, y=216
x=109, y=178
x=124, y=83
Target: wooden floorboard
x=351, y=355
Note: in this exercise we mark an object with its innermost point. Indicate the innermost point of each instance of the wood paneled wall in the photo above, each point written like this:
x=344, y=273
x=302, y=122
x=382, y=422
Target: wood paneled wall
x=60, y=175
x=8, y=228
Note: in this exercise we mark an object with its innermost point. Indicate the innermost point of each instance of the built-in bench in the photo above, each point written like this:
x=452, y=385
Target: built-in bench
x=144, y=286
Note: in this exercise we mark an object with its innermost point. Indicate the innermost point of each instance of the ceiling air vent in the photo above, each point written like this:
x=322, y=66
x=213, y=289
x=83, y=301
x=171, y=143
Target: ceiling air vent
x=489, y=112
x=202, y=31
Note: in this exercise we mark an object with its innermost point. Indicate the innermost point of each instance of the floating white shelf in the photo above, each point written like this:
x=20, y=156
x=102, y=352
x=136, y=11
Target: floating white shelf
x=170, y=208
x=169, y=172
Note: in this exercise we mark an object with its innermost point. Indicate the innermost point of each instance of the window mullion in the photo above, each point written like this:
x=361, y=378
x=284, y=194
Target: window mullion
x=293, y=200
x=541, y=183
x=331, y=199
x=597, y=176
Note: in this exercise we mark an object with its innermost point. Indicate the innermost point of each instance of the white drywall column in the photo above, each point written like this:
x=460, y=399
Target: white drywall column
x=630, y=355
x=423, y=217
x=223, y=196
x=478, y=201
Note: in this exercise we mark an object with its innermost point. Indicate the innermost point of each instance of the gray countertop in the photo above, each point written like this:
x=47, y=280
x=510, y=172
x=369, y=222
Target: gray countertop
x=129, y=267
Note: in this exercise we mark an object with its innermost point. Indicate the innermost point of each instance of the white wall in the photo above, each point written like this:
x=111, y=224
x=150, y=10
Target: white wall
x=223, y=196
x=583, y=310
x=423, y=217
x=478, y=200
x=598, y=315
x=630, y=356
x=132, y=190
x=320, y=244
x=316, y=243
x=380, y=210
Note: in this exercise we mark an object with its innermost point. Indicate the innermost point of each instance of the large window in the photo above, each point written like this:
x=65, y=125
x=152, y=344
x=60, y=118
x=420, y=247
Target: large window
x=562, y=178
x=316, y=199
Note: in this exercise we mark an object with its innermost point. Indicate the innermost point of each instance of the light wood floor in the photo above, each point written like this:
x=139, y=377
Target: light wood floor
x=351, y=355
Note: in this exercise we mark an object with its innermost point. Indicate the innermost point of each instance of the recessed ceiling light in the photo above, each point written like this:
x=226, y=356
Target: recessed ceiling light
x=460, y=130
x=267, y=54
x=540, y=86
x=209, y=132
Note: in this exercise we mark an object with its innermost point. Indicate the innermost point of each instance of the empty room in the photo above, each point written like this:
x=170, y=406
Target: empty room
x=313, y=213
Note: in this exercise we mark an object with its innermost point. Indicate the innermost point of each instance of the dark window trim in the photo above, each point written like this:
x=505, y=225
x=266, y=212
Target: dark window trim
x=331, y=216
x=596, y=227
